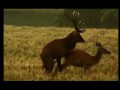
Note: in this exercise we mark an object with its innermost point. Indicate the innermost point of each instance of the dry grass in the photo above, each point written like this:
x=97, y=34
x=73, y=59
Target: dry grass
x=23, y=45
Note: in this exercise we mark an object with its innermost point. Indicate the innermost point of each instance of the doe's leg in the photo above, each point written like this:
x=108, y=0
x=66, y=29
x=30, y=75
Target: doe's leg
x=64, y=65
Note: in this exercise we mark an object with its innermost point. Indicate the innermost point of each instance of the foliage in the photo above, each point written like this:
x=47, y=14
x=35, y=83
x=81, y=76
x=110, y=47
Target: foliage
x=31, y=17
x=95, y=17
x=109, y=17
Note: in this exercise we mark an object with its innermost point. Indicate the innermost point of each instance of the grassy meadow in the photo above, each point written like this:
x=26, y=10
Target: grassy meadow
x=23, y=45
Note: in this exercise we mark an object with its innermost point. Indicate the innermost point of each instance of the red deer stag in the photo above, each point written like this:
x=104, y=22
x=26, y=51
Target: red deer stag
x=80, y=58
x=58, y=48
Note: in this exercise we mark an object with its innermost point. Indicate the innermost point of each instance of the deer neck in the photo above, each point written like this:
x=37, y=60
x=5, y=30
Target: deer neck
x=69, y=42
x=97, y=56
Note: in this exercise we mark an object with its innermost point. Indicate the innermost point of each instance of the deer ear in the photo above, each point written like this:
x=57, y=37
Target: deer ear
x=98, y=44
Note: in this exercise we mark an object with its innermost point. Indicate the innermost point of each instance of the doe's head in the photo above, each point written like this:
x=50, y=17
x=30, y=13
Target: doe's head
x=102, y=49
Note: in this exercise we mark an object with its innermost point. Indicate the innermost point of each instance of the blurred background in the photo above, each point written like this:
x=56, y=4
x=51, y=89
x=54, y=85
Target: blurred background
x=93, y=18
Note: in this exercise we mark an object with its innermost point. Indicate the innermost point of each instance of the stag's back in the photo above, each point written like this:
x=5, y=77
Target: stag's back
x=54, y=49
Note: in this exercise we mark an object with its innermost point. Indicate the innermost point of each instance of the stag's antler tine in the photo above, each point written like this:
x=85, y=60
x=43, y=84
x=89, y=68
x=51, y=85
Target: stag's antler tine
x=83, y=23
x=73, y=13
x=77, y=17
x=81, y=30
x=79, y=22
x=74, y=17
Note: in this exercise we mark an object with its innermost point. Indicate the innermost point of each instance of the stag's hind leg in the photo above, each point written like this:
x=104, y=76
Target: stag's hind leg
x=58, y=66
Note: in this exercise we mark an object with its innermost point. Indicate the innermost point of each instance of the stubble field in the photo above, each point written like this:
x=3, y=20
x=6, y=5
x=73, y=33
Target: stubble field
x=23, y=45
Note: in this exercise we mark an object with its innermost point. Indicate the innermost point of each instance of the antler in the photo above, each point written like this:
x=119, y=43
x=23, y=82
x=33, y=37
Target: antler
x=76, y=19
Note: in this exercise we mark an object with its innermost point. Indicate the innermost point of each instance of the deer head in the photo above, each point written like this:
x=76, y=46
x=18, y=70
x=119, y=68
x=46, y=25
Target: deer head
x=78, y=25
x=102, y=49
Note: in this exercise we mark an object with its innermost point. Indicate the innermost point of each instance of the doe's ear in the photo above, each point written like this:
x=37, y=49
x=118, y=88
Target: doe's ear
x=98, y=44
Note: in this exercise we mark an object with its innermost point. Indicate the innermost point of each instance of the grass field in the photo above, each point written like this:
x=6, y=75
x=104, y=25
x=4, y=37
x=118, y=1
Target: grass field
x=23, y=45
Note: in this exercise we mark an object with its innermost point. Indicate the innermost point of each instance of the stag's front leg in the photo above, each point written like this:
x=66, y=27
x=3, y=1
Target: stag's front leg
x=59, y=64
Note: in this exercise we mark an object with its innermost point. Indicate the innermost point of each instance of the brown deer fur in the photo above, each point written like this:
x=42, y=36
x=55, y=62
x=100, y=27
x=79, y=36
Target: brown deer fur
x=80, y=58
x=58, y=48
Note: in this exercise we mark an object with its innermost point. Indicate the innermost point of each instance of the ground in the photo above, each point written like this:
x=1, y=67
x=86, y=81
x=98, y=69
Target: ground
x=23, y=45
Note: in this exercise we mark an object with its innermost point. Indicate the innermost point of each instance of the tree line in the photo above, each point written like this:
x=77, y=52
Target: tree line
x=93, y=18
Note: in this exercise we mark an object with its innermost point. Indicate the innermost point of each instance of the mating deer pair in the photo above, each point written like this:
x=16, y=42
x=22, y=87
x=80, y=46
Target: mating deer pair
x=58, y=48
x=62, y=48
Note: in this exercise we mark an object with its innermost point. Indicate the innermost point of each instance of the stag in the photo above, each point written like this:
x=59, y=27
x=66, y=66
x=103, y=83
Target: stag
x=58, y=48
x=80, y=58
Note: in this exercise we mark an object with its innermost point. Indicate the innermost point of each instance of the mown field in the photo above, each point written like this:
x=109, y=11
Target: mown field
x=23, y=45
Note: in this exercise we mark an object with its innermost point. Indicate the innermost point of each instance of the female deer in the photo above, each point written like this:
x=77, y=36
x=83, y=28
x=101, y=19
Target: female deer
x=80, y=58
